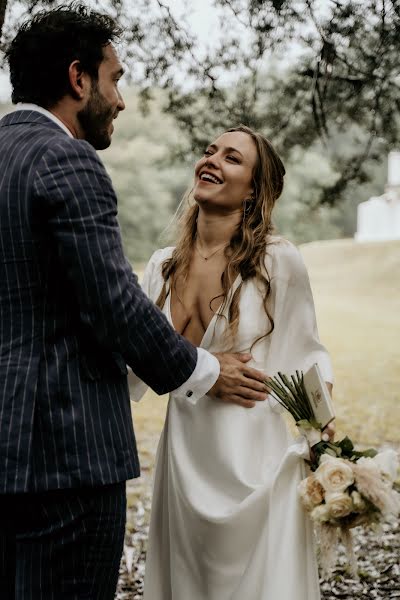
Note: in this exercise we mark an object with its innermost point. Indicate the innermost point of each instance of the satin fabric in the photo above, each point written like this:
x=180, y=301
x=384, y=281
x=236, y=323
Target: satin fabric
x=226, y=520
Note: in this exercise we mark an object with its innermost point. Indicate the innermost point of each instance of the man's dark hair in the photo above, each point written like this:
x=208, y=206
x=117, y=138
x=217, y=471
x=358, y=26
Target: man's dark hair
x=45, y=46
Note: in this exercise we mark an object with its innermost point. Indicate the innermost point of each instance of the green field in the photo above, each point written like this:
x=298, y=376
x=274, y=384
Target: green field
x=357, y=296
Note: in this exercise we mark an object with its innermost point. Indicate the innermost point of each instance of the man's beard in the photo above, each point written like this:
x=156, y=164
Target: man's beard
x=95, y=120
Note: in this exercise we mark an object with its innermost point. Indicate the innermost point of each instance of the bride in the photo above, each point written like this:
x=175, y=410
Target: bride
x=226, y=520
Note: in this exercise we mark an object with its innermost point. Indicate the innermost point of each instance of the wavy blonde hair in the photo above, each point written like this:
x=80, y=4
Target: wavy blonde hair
x=246, y=251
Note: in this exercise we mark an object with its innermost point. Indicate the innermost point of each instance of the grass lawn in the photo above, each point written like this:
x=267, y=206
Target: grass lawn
x=357, y=296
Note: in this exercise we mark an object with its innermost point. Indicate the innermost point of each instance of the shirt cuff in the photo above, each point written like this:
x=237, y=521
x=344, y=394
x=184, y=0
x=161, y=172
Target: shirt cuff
x=137, y=387
x=201, y=380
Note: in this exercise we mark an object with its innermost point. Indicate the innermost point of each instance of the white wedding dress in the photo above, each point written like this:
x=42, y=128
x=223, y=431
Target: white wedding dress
x=226, y=519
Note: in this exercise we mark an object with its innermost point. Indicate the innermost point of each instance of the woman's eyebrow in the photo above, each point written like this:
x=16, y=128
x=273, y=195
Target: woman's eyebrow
x=228, y=149
x=232, y=149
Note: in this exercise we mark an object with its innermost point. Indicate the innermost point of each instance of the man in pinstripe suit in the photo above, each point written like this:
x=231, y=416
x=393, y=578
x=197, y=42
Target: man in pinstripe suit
x=71, y=316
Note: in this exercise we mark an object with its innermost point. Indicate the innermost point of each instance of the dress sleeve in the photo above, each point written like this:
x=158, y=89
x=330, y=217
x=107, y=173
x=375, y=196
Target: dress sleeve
x=152, y=281
x=295, y=343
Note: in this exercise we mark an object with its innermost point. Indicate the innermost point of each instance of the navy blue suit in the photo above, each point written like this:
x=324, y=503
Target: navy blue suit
x=72, y=315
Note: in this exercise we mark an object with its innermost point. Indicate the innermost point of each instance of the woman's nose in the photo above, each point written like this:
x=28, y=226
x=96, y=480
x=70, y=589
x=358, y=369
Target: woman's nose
x=211, y=161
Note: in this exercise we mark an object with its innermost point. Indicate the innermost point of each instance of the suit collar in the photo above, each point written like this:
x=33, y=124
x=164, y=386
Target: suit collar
x=47, y=113
x=19, y=117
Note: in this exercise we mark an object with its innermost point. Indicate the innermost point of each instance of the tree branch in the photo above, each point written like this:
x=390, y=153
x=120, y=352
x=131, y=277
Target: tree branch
x=3, y=7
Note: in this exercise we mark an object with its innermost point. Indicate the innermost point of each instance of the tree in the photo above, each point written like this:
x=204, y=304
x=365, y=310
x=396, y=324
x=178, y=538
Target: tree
x=335, y=69
x=344, y=78
x=3, y=6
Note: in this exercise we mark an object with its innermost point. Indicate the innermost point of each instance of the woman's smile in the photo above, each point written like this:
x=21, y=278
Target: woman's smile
x=229, y=163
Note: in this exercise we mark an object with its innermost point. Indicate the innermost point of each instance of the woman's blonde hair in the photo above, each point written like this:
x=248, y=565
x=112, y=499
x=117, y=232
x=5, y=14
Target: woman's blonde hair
x=247, y=248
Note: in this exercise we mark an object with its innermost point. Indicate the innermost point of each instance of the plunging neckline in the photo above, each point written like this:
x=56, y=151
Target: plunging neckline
x=207, y=336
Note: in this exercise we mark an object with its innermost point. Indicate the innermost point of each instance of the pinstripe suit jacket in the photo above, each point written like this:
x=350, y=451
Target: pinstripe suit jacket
x=71, y=316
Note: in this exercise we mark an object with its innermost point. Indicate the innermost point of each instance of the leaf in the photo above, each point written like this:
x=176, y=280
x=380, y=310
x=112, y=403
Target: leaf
x=346, y=445
x=330, y=452
x=369, y=453
x=305, y=424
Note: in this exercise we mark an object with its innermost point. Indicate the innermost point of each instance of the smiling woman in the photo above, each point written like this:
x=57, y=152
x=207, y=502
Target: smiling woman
x=228, y=163
x=226, y=478
x=236, y=185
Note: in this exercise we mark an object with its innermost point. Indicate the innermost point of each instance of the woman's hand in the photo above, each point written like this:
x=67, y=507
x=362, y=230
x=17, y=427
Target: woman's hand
x=328, y=434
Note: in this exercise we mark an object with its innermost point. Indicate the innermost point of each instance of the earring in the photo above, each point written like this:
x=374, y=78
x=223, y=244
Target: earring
x=248, y=205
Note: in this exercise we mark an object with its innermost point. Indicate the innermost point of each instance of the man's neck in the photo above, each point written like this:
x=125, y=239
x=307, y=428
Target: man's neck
x=69, y=118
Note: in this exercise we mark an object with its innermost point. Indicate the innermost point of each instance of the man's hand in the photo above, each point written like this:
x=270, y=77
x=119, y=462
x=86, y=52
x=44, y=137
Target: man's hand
x=238, y=383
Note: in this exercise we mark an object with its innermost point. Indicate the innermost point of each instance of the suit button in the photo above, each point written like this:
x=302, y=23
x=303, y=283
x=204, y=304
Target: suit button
x=189, y=393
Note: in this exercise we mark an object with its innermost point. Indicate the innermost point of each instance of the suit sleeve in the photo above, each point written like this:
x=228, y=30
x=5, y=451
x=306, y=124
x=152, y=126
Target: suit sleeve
x=137, y=387
x=79, y=203
x=207, y=367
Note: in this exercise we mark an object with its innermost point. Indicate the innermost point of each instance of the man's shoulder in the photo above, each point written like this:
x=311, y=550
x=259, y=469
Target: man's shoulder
x=31, y=120
x=20, y=126
x=63, y=146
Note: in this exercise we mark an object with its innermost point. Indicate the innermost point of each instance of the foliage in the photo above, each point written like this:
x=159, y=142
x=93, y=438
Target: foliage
x=335, y=70
x=148, y=184
x=150, y=163
x=151, y=175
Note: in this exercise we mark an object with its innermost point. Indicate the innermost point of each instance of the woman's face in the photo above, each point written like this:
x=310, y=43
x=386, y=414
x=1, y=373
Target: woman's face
x=224, y=176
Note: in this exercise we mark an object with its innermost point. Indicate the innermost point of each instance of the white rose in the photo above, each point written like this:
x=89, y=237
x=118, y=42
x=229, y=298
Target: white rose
x=339, y=505
x=366, y=462
x=311, y=492
x=388, y=463
x=334, y=474
x=321, y=513
x=359, y=504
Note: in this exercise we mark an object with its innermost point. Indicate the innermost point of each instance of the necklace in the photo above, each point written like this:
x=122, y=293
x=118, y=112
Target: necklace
x=212, y=253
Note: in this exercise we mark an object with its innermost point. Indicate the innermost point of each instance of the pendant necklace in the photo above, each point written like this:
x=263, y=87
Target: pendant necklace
x=212, y=254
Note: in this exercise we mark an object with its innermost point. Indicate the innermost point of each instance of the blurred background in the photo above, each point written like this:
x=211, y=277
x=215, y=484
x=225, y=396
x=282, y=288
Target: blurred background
x=321, y=79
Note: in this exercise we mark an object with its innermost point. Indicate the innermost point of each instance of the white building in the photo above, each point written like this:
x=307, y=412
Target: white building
x=378, y=218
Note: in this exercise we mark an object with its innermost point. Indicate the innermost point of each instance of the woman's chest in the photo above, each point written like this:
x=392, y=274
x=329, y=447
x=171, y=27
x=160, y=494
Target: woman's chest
x=196, y=299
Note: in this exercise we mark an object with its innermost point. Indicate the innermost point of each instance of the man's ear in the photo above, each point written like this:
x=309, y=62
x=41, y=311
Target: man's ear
x=79, y=81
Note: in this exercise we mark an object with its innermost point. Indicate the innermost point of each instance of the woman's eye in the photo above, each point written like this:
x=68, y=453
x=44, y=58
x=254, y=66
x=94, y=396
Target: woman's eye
x=230, y=157
x=207, y=152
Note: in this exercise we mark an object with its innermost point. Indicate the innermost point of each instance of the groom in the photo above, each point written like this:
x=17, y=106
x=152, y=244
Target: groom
x=72, y=315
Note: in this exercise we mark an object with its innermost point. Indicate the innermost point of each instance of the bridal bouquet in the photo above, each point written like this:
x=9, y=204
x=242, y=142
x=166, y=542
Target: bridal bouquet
x=346, y=488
